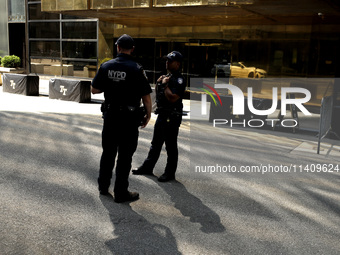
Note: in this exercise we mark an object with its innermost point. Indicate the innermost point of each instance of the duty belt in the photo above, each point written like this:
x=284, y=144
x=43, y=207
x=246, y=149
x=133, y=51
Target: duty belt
x=162, y=110
x=108, y=106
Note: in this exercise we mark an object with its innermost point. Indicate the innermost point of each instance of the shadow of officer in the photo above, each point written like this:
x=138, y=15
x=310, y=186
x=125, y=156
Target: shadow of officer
x=192, y=207
x=133, y=234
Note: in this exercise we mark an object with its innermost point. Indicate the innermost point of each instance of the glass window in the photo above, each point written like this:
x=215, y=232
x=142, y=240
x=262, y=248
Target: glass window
x=34, y=13
x=130, y=3
x=3, y=29
x=102, y=3
x=45, y=65
x=45, y=49
x=60, y=47
x=179, y=2
x=71, y=5
x=119, y=3
x=80, y=50
x=80, y=30
x=71, y=17
x=80, y=68
x=144, y=52
x=16, y=11
x=44, y=30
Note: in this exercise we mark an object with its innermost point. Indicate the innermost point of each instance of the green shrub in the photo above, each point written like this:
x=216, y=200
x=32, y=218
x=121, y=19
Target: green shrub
x=104, y=60
x=0, y=60
x=11, y=61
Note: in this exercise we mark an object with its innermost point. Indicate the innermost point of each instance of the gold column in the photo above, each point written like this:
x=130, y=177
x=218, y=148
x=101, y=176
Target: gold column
x=105, y=41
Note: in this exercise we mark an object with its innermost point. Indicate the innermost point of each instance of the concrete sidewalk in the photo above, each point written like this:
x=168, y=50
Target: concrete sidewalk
x=42, y=104
x=50, y=204
x=309, y=125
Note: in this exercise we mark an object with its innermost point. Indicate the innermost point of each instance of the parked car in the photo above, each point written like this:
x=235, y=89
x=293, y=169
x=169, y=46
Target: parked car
x=221, y=70
x=237, y=70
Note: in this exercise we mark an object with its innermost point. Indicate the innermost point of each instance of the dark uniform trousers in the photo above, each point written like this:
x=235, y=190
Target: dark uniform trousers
x=120, y=135
x=165, y=131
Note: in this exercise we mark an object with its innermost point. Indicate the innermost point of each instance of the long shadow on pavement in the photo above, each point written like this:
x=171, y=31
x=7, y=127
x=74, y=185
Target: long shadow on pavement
x=192, y=207
x=134, y=234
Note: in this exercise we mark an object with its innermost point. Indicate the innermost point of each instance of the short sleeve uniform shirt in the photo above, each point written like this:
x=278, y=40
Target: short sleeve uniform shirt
x=123, y=81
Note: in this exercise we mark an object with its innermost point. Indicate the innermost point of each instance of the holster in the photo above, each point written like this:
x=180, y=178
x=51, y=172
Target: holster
x=104, y=107
x=168, y=112
x=133, y=112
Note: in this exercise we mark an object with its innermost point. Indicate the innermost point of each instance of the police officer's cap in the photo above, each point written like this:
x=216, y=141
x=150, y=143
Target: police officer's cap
x=125, y=41
x=175, y=56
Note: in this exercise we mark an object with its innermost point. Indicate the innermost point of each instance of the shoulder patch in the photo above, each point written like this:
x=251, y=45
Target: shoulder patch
x=180, y=81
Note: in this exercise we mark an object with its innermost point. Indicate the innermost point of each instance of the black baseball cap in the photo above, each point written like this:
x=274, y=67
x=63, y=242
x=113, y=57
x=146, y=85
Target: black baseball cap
x=175, y=56
x=125, y=41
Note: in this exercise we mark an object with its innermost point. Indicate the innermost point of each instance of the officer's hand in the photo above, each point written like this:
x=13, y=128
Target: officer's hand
x=145, y=121
x=165, y=80
x=160, y=78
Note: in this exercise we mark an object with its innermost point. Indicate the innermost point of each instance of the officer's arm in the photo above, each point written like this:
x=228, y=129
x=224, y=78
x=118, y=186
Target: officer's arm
x=148, y=105
x=160, y=80
x=95, y=91
x=172, y=98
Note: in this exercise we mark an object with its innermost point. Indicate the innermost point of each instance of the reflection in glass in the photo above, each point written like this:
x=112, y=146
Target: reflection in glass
x=181, y=2
x=80, y=30
x=34, y=13
x=80, y=50
x=69, y=17
x=45, y=49
x=71, y=5
x=46, y=30
x=80, y=68
x=42, y=65
x=16, y=10
x=3, y=29
x=119, y=3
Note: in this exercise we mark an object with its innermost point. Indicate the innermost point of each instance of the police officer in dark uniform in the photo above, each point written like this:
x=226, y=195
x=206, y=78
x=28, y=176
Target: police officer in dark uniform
x=124, y=84
x=170, y=90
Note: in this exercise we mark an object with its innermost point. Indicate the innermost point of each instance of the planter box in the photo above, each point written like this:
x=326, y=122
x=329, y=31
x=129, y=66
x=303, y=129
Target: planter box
x=58, y=70
x=90, y=71
x=22, y=84
x=38, y=68
x=11, y=70
x=70, y=90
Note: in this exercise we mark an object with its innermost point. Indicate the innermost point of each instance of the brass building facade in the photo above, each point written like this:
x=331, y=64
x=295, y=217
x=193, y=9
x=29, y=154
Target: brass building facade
x=62, y=45
x=274, y=38
x=282, y=37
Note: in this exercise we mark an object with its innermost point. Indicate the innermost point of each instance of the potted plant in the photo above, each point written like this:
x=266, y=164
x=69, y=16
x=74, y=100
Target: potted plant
x=0, y=73
x=10, y=61
x=11, y=64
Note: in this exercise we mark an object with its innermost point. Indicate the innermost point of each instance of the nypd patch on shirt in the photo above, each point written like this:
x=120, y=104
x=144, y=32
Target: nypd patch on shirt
x=180, y=80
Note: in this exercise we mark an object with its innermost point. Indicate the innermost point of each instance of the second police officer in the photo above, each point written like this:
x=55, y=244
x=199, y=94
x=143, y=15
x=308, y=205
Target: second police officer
x=124, y=84
x=169, y=94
